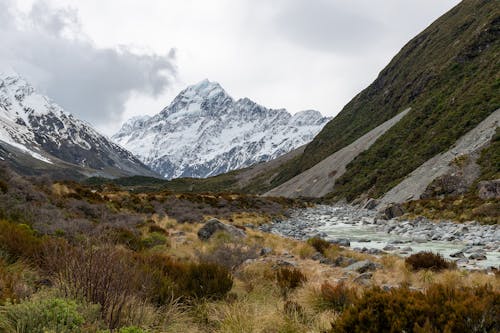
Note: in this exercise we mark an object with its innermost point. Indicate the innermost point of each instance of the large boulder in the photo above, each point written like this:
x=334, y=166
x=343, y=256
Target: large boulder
x=489, y=189
x=393, y=211
x=213, y=225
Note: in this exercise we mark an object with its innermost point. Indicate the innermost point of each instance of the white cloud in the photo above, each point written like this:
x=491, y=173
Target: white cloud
x=48, y=46
x=297, y=54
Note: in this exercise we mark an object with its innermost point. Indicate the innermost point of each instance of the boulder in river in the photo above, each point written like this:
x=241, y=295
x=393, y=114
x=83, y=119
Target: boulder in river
x=341, y=241
x=477, y=256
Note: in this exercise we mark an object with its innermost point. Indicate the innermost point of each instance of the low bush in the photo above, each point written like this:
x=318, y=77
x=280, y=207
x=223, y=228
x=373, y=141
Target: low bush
x=103, y=275
x=428, y=260
x=206, y=280
x=319, y=244
x=336, y=297
x=41, y=316
x=289, y=279
x=439, y=309
x=18, y=241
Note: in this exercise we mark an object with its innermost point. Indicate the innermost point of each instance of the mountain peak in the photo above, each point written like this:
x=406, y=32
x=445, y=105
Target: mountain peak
x=203, y=97
x=204, y=132
x=203, y=89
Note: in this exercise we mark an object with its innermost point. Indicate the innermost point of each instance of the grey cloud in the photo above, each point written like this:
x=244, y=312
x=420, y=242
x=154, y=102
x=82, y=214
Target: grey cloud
x=327, y=25
x=50, y=49
x=348, y=28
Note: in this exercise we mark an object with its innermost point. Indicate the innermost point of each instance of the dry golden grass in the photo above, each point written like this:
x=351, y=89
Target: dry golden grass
x=255, y=303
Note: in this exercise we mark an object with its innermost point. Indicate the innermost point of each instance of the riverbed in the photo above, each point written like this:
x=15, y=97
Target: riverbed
x=470, y=244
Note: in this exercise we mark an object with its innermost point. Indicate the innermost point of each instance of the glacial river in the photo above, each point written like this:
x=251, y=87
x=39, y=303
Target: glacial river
x=364, y=230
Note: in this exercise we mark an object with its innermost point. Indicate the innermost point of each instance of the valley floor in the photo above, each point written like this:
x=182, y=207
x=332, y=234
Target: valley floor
x=98, y=259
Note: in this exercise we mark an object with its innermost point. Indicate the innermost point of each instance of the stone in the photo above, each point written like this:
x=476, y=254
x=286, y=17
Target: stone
x=489, y=189
x=341, y=241
x=374, y=251
x=265, y=251
x=390, y=247
x=317, y=256
x=364, y=276
x=364, y=240
x=477, y=256
x=213, y=225
x=343, y=261
x=393, y=211
x=371, y=204
x=326, y=261
x=363, y=266
x=458, y=254
x=284, y=263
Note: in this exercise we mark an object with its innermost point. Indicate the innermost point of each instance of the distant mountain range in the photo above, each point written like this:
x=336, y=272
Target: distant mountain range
x=205, y=132
x=38, y=136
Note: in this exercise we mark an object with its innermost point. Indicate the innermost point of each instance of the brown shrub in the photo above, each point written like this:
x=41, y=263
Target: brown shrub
x=336, y=297
x=289, y=279
x=440, y=309
x=206, y=280
x=18, y=241
x=428, y=260
x=158, y=229
x=319, y=244
x=103, y=275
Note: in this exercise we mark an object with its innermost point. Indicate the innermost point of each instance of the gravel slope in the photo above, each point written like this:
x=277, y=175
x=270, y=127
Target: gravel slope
x=320, y=179
x=414, y=185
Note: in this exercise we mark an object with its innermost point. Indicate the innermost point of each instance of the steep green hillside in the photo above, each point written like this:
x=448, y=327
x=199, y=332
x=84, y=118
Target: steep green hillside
x=449, y=75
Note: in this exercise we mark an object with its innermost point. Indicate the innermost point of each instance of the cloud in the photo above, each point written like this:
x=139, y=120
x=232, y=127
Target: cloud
x=49, y=48
x=327, y=25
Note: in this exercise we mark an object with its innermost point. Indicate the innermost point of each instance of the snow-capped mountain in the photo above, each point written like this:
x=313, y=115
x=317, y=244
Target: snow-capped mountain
x=205, y=132
x=33, y=125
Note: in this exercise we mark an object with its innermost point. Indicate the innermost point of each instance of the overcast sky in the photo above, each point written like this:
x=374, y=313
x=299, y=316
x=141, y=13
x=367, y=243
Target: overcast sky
x=106, y=61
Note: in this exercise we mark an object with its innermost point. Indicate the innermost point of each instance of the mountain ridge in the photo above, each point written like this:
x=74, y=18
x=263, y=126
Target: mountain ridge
x=34, y=125
x=204, y=132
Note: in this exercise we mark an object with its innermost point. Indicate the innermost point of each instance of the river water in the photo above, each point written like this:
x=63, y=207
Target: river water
x=366, y=233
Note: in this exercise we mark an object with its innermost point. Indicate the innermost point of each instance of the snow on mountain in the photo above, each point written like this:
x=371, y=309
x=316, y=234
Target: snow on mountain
x=37, y=126
x=205, y=132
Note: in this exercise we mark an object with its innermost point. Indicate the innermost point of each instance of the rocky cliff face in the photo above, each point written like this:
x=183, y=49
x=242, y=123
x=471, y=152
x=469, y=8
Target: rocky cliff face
x=205, y=132
x=32, y=124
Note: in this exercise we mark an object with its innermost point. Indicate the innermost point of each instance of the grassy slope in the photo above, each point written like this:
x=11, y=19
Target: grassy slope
x=450, y=76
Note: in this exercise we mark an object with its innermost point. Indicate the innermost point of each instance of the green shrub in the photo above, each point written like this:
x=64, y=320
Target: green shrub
x=18, y=241
x=289, y=279
x=40, y=316
x=428, y=260
x=319, y=244
x=439, y=309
